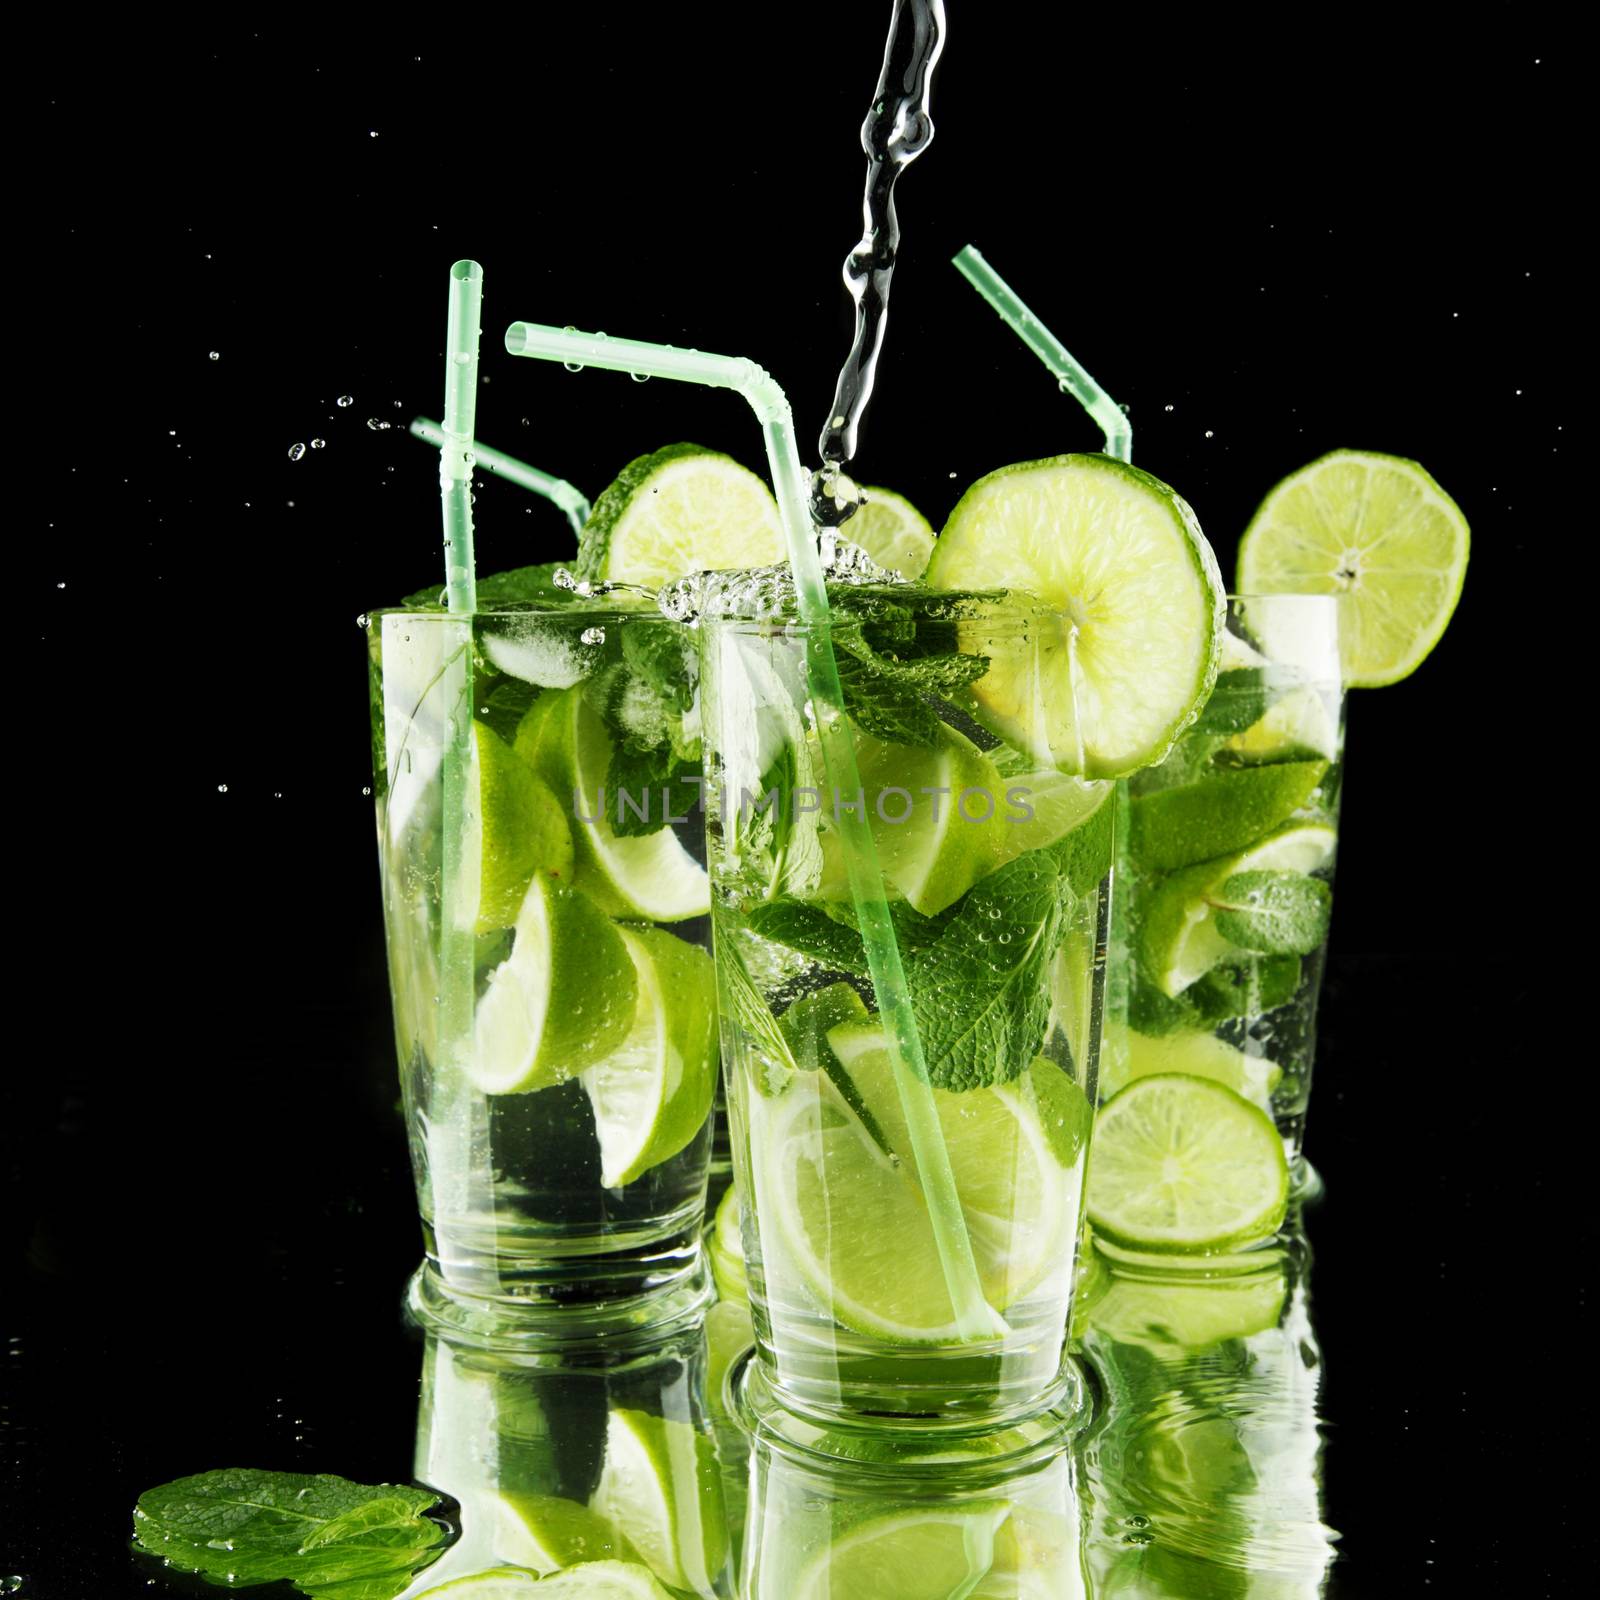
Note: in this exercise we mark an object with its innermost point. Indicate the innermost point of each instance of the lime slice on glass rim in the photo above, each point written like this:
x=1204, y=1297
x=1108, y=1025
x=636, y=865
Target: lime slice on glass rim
x=1376, y=530
x=892, y=531
x=1183, y=1164
x=1126, y=652
x=652, y=1094
x=678, y=510
x=649, y=876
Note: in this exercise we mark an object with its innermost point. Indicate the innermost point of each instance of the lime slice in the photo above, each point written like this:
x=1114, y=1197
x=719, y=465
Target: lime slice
x=652, y=1094
x=679, y=510
x=661, y=1488
x=522, y=829
x=729, y=1333
x=593, y=1580
x=1168, y=1316
x=1179, y=942
x=562, y=1001
x=1380, y=532
x=1183, y=1164
x=906, y=1555
x=1127, y=654
x=503, y=1583
x=545, y=1532
x=651, y=875
x=1222, y=810
x=892, y=531
x=1295, y=727
x=1126, y=1055
x=727, y=1251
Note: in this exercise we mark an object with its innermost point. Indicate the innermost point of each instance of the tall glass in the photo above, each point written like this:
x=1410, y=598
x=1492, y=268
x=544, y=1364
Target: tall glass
x=554, y=1000
x=997, y=868
x=1225, y=871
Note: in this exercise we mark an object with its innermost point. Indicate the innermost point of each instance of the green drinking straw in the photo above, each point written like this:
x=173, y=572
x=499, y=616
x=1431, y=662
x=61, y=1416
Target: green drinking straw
x=1069, y=374
x=974, y=1317
x=565, y=495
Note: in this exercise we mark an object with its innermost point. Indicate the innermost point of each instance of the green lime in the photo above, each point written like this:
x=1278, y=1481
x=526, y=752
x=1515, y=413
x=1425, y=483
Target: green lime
x=909, y=1554
x=1126, y=1054
x=679, y=510
x=662, y=1489
x=727, y=1251
x=1222, y=810
x=545, y=1532
x=1179, y=942
x=1189, y=1315
x=892, y=531
x=561, y=1002
x=649, y=876
x=1126, y=654
x=1380, y=532
x=729, y=1333
x=522, y=829
x=1183, y=1164
x=592, y=1580
x=502, y=1583
x=652, y=1094
x=1298, y=725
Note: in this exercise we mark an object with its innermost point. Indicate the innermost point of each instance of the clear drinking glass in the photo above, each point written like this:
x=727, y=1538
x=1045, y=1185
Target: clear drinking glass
x=1225, y=870
x=996, y=865
x=546, y=912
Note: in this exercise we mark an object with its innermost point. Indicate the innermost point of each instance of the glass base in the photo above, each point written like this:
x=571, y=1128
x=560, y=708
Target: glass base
x=653, y=1295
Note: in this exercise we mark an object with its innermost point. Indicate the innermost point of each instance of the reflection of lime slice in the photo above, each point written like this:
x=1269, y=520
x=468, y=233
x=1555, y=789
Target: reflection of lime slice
x=503, y=1583
x=545, y=1532
x=1126, y=1055
x=1180, y=942
x=650, y=876
x=1380, y=532
x=560, y=1002
x=729, y=1333
x=906, y=1555
x=594, y=1580
x=522, y=830
x=652, y=1094
x=1181, y=1163
x=892, y=531
x=727, y=1251
x=662, y=1490
x=1189, y=1315
x=1127, y=654
x=1224, y=809
x=682, y=509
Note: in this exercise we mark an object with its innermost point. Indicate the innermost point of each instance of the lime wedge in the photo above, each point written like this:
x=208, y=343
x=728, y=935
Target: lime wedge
x=1222, y=810
x=562, y=1001
x=545, y=1532
x=662, y=1490
x=679, y=510
x=892, y=531
x=1377, y=530
x=906, y=1555
x=522, y=829
x=652, y=1094
x=1179, y=942
x=1126, y=1055
x=1183, y=1164
x=1124, y=658
x=651, y=875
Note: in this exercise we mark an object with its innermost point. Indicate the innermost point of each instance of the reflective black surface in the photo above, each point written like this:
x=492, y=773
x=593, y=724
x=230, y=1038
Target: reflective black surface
x=210, y=1216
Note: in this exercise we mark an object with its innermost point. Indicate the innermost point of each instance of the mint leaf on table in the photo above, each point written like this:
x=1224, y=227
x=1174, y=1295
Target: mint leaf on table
x=981, y=990
x=243, y=1526
x=1274, y=913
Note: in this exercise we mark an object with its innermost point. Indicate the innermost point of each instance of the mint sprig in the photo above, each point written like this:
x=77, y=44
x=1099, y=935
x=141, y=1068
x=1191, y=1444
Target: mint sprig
x=1274, y=913
x=332, y=1539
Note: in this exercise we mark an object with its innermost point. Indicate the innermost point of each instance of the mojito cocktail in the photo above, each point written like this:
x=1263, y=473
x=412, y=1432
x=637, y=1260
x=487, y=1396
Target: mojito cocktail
x=554, y=1001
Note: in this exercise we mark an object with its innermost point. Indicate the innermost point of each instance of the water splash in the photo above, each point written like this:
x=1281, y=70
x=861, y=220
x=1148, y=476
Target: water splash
x=761, y=593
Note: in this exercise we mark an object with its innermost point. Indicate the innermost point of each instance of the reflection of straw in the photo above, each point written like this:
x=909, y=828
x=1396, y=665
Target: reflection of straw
x=974, y=1317
x=1049, y=349
x=459, y=888
x=557, y=490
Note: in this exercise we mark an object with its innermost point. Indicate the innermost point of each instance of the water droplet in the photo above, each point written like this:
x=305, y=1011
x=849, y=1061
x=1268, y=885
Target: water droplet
x=345, y=400
x=573, y=366
x=640, y=377
x=222, y=788
x=374, y=424
x=319, y=444
x=296, y=451
x=13, y=1583
x=593, y=635
x=366, y=788
x=362, y=620
x=215, y=355
x=372, y=133
x=1210, y=434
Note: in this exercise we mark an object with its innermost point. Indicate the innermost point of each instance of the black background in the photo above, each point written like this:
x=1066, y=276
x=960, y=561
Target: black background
x=1267, y=243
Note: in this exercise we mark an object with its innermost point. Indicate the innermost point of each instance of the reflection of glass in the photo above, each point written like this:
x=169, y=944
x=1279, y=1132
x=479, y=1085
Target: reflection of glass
x=554, y=1001
x=590, y=1453
x=853, y=1513
x=1225, y=864
x=1202, y=1469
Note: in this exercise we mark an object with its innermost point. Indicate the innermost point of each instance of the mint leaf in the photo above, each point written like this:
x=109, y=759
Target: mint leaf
x=1274, y=913
x=1238, y=701
x=243, y=1526
x=1239, y=989
x=981, y=991
x=656, y=782
x=740, y=1001
x=521, y=586
x=503, y=703
x=899, y=701
x=812, y=932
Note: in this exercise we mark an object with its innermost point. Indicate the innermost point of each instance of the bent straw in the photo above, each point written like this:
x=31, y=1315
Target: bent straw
x=459, y=889
x=1069, y=374
x=974, y=1317
x=567, y=496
